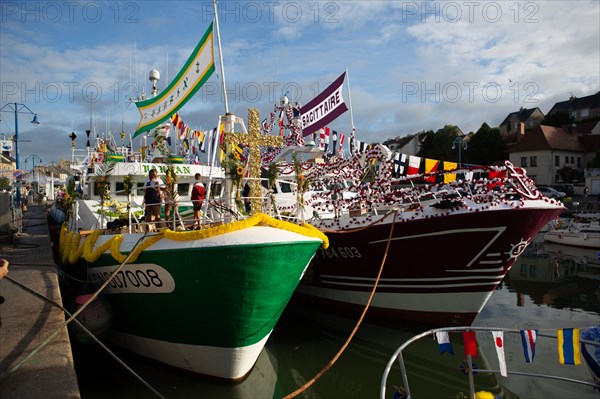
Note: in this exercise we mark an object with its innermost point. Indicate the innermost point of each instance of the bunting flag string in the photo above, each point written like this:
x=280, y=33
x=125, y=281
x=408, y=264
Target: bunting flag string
x=570, y=345
x=186, y=134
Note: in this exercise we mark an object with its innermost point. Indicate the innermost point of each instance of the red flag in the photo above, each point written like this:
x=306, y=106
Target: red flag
x=470, y=343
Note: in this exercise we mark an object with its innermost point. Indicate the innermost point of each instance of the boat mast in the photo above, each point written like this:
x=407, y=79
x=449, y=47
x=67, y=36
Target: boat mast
x=352, y=137
x=213, y=145
x=220, y=57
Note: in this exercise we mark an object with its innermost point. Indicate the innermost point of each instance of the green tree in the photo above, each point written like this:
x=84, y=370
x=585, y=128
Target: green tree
x=594, y=162
x=568, y=174
x=4, y=183
x=438, y=145
x=486, y=147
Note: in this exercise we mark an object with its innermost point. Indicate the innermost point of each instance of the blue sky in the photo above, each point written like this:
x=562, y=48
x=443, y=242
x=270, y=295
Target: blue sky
x=412, y=65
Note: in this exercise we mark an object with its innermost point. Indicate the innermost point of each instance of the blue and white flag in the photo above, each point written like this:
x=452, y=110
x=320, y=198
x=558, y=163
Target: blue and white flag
x=444, y=344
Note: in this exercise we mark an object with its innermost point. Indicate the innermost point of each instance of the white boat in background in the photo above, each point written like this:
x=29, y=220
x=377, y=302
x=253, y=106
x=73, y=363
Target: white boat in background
x=584, y=235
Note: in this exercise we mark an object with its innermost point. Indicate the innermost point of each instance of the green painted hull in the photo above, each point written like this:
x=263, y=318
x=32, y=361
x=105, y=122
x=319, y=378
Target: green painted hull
x=227, y=296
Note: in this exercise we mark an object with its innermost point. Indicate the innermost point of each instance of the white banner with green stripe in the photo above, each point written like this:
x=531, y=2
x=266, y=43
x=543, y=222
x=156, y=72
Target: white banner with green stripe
x=195, y=72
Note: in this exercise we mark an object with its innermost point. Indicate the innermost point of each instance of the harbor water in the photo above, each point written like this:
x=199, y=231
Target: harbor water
x=549, y=287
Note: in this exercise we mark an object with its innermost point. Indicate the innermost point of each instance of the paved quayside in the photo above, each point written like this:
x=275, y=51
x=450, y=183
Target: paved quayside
x=28, y=320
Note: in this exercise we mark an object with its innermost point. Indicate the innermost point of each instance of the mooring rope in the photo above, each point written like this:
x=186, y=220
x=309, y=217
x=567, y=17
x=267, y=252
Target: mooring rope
x=88, y=332
x=74, y=315
x=358, y=323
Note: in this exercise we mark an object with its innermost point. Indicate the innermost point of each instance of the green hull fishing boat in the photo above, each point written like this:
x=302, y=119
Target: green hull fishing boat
x=203, y=300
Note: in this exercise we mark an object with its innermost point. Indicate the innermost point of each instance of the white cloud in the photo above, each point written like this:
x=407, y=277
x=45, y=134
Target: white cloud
x=405, y=62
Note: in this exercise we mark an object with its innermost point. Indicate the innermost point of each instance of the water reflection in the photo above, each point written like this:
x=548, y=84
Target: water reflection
x=557, y=275
x=554, y=287
x=309, y=338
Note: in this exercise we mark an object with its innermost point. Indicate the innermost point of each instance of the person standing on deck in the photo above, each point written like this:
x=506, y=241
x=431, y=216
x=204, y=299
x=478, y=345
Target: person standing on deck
x=198, y=194
x=153, y=197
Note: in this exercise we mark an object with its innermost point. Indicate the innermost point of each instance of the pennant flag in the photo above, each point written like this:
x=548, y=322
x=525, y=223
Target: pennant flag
x=195, y=72
x=334, y=138
x=340, y=149
x=324, y=108
x=321, y=138
x=444, y=344
x=175, y=119
x=528, y=338
x=470, y=343
x=265, y=126
x=499, y=341
x=413, y=165
x=568, y=346
x=362, y=146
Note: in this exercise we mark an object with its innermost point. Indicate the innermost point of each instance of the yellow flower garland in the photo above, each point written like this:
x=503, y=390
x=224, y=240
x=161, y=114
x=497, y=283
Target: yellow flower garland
x=70, y=249
x=259, y=218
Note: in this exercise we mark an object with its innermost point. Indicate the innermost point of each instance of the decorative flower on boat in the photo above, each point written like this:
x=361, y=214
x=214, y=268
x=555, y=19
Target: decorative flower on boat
x=71, y=251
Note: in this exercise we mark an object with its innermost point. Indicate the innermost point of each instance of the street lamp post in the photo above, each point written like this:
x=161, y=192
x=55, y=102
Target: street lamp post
x=459, y=141
x=33, y=158
x=19, y=108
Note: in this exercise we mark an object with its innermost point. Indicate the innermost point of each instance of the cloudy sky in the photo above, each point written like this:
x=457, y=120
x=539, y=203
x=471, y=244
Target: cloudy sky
x=412, y=65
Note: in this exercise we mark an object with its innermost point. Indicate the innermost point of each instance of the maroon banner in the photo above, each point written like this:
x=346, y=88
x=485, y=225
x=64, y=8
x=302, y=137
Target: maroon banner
x=324, y=108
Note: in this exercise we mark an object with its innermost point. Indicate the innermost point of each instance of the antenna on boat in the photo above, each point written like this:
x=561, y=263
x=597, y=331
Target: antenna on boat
x=220, y=58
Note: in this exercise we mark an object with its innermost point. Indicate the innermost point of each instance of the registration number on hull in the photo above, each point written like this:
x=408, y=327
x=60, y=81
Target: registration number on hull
x=338, y=252
x=137, y=278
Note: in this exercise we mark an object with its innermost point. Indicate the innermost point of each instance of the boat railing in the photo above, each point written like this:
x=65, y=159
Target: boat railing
x=406, y=393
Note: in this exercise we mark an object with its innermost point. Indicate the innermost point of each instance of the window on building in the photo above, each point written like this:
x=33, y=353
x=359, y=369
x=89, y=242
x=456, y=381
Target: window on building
x=523, y=162
x=566, y=160
x=572, y=160
x=556, y=160
x=585, y=113
x=579, y=162
x=533, y=161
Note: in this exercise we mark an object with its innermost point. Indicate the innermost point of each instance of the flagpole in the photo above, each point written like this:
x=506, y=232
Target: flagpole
x=220, y=57
x=352, y=137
